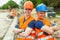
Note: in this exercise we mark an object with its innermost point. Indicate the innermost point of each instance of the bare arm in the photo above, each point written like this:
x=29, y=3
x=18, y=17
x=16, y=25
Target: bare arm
x=16, y=30
x=47, y=29
x=27, y=32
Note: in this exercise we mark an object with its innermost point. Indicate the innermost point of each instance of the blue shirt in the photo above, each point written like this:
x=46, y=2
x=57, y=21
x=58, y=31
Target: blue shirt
x=31, y=24
x=39, y=24
x=17, y=26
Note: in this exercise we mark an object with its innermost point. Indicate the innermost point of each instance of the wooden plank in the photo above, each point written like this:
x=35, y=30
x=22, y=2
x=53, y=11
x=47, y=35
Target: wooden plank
x=10, y=35
x=4, y=24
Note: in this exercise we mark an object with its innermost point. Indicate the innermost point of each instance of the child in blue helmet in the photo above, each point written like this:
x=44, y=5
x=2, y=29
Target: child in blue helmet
x=43, y=26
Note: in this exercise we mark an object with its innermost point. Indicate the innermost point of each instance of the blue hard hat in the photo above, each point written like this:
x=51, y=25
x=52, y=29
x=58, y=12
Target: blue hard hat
x=41, y=7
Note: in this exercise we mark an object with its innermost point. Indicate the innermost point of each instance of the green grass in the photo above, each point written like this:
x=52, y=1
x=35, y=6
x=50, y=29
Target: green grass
x=57, y=13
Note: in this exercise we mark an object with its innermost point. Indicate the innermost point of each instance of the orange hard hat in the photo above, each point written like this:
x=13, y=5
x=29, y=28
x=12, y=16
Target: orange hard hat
x=28, y=4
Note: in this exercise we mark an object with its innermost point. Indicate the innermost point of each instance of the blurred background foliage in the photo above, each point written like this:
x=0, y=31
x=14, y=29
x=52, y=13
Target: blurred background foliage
x=10, y=4
x=50, y=3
